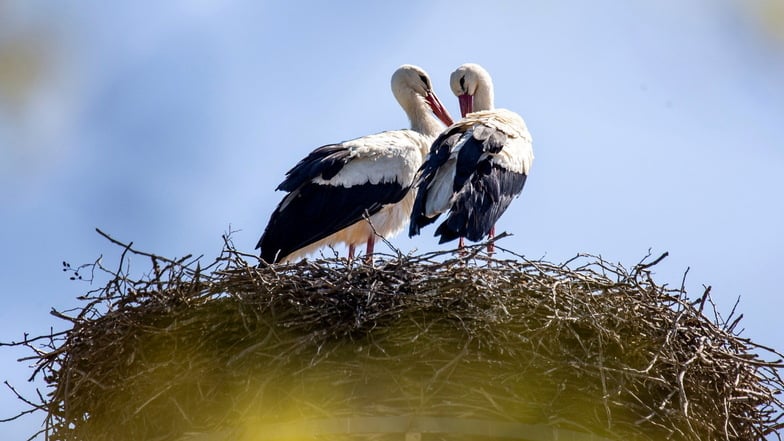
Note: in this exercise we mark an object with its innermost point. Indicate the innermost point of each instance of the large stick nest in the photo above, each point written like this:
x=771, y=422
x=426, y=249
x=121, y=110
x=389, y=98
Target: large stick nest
x=237, y=351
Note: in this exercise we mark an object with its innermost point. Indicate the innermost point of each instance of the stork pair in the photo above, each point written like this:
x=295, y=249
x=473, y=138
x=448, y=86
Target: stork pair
x=371, y=186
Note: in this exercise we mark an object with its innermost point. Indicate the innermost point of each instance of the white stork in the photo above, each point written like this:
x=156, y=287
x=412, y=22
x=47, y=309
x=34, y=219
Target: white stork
x=333, y=189
x=476, y=167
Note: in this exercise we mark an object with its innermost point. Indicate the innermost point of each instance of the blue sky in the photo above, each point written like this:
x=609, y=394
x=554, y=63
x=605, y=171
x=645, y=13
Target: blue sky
x=657, y=125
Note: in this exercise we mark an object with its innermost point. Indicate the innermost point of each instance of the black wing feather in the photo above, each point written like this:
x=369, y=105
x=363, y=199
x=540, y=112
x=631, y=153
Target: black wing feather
x=479, y=140
x=324, y=162
x=439, y=155
x=481, y=202
x=315, y=211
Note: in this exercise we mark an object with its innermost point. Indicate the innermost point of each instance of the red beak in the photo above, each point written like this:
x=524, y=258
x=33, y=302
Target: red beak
x=466, y=104
x=438, y=109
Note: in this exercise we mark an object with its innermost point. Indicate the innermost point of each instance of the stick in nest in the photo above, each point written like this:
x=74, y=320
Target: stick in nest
x=586, y=344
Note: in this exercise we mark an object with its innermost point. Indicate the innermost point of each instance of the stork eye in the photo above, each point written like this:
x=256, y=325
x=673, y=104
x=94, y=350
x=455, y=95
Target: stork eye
x=425, y=80
x=462, y=84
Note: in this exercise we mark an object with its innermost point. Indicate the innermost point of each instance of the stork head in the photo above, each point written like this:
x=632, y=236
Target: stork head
x=413, y=90
x=473, y=87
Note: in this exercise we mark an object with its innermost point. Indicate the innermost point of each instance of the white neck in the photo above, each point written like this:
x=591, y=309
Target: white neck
x=422, y=118
x=483, y=97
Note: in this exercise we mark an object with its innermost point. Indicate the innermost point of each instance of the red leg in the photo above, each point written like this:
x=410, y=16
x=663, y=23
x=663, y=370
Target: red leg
x=351, y=249
x=369, y=250
x=371, y=245
x=491, y=245
x=460, y=247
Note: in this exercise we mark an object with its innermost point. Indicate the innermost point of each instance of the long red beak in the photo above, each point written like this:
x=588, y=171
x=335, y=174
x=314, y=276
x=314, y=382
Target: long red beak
x=438, y=109
x=466, y=104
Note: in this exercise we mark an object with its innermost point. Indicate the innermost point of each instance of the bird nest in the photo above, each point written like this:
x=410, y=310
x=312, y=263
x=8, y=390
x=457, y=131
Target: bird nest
x=438, y=346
